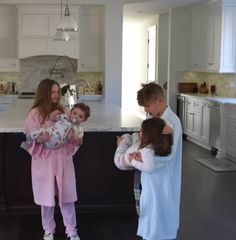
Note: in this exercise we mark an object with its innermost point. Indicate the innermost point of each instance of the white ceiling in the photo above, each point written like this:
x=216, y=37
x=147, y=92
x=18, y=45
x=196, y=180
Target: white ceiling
x=146, y=8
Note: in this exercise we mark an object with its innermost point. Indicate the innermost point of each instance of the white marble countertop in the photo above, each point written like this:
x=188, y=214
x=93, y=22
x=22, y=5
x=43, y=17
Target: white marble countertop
x=218, y=99
x=104, y=117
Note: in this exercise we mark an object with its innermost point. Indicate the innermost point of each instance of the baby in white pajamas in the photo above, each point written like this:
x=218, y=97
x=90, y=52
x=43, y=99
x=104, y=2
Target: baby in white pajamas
x=64, y=125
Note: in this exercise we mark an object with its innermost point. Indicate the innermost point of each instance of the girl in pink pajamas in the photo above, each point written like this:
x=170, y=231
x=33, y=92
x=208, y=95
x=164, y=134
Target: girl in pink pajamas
x=52, y=169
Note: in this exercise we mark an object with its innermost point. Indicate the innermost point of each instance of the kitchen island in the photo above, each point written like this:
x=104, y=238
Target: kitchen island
x=100, y=185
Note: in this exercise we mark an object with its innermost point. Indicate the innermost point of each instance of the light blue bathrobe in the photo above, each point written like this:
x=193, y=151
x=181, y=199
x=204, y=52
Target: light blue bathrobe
x=160, y=196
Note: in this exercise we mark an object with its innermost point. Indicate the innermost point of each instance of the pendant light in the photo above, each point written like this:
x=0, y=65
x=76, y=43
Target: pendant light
x=67, y=22
x=61, y=35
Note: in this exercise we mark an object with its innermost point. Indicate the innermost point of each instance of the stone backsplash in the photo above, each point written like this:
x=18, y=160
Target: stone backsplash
x=225, y=83
x=34, y=69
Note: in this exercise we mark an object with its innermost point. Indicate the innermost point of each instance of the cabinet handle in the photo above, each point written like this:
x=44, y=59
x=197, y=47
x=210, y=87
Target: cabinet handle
x=211, y=64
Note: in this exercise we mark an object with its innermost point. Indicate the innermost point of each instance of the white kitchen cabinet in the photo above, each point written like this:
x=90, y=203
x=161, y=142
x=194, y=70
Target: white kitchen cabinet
x=91, y=39
x=197, y=57
x=193, y=118
x=9, y=65
x=8, y=32
x=197, y=121
x=205, y=123
x=213, y=38
x=229, y=133
x=212, y=50
x=6, y=101
x=37, y=27
x=231, y=137
x=228, y=51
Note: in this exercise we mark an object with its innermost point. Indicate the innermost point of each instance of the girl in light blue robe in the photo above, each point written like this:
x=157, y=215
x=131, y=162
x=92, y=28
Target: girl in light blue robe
x=161, y=190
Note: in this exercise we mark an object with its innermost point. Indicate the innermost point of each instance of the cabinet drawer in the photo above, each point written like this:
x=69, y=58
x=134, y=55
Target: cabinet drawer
x=193, y=105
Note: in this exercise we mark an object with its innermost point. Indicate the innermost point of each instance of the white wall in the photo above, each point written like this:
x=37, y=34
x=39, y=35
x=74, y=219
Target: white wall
x=113, y=51
x=163, y=48
x=179, y=39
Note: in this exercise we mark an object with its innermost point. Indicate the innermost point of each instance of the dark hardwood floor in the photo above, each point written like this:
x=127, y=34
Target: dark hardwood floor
x=208, y=210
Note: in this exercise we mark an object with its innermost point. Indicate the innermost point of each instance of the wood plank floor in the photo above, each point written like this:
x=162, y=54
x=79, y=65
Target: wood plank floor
x=208, y=210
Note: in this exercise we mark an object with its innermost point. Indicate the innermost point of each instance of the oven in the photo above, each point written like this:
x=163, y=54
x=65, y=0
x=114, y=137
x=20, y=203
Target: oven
x=181, y=109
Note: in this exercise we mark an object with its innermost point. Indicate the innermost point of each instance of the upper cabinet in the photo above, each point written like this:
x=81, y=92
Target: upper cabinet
x=8, y=33
x=37, y=27
x=91, y=39
x=213, y=37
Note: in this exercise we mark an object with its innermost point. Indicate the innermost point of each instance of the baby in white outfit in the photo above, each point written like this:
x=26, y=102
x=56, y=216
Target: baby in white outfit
x=64, y=125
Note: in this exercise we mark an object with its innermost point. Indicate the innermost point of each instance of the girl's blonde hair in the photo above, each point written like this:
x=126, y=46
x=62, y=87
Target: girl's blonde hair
x=43, y=99
x=153, y=137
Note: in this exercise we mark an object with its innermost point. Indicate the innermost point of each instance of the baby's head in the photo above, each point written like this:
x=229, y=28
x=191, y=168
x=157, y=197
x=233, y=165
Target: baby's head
x=79, y=113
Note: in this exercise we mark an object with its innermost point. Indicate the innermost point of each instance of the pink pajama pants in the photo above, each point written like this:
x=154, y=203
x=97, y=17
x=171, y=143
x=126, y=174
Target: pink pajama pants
x=68, y=215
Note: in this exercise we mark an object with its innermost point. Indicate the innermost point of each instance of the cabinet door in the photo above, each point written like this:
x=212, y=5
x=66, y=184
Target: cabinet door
x=197, y=39
x=9, y=65
x=8, y=33
x=91, y=40
x=17, y=174
x=2, y=170
x=193, y=118
x=213, y=28
x=193, y=124
x=206, y=37
x=228, y=63
x=205, y=124
x=33, y=25
x=230, y=137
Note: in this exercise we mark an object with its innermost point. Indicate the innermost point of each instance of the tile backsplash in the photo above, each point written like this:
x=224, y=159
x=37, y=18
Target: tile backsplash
x=225, y=83
x=34, y=69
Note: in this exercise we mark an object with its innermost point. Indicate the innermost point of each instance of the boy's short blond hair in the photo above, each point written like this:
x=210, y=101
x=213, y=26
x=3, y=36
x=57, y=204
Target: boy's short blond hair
x=149, y=92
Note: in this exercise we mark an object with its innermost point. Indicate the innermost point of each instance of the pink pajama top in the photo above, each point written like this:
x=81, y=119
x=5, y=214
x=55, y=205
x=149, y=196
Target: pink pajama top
x=52, y=169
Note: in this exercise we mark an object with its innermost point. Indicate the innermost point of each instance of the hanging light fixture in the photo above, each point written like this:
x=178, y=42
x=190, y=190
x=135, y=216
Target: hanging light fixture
x=61, y=35
x=67, y=23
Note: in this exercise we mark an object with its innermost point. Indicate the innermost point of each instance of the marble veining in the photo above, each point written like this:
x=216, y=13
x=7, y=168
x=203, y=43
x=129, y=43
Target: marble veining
x=104, y=117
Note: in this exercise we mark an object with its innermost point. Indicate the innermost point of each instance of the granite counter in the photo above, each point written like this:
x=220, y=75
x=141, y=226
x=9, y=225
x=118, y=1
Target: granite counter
x=104, y=117
x=212, y=98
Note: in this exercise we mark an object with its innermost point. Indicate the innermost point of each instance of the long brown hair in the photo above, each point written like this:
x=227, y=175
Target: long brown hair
x=43, y=100
x=153, y=137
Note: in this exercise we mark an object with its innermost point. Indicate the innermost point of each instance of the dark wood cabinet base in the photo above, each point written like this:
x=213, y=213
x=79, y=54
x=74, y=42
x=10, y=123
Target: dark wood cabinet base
x=100, y=185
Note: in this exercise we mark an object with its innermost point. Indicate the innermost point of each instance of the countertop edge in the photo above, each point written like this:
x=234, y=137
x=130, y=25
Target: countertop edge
x=207, y=97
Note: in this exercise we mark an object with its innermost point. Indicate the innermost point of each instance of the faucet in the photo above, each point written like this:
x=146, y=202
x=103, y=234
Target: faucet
x=85, y=82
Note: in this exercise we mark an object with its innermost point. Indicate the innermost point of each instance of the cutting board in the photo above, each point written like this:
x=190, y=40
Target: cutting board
x=188, y=87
